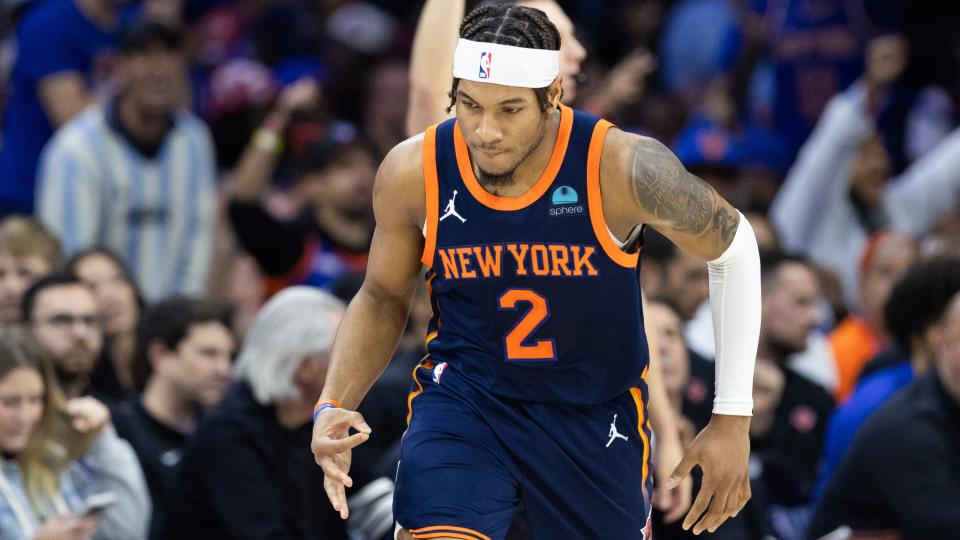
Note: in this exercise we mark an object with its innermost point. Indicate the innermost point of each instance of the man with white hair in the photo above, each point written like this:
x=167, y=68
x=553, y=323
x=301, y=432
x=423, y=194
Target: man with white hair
x=245, y=473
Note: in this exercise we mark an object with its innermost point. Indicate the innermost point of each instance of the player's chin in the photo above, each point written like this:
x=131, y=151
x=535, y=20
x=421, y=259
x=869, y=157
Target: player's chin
x=502, y=164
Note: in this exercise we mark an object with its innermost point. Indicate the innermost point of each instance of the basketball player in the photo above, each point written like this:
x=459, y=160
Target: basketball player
x=430, y=78
x=537, y=353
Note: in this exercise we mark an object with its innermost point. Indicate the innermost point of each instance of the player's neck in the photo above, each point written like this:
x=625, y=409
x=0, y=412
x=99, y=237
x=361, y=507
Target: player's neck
x=531, y=168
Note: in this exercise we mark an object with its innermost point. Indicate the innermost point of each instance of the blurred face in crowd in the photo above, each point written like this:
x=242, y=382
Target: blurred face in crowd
x=948, y=358
x=346, y=184
x=869, y=171
x=115, y=295
x=894, y=255
x=21, y=407
x=572, y=52
x=67, y=323
x=686, y=283
x=200, y=367
x=790, y=308
x=16, y=276
x=154, y=78
x=663, y=322
x=502, y=126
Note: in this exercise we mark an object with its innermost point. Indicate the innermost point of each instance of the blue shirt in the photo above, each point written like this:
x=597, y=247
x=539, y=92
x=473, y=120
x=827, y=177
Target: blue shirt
x=53, y=37
x=817, y=50
x=867, y=397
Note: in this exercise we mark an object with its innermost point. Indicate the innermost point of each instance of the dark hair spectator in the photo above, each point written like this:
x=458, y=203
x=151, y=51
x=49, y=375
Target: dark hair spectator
x=121, y=304
x=143, y=143
x=184, y=363
x=64, y=317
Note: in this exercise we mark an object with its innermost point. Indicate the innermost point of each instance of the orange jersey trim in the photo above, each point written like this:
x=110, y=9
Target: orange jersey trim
x=539, y=188
x=438, y=531
x=599, y=222
x=424, y=364
x=642, y=423
x=431, y=192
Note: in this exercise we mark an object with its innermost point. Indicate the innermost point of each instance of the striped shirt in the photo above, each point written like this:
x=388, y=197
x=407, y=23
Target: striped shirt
x=158, y=213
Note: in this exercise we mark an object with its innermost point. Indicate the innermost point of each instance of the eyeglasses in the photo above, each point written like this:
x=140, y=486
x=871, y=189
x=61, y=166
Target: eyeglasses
x=64, y=321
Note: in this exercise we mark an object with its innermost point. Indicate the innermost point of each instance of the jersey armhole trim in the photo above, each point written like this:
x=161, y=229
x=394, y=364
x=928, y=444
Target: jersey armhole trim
x=431, y=192
x=595, y=204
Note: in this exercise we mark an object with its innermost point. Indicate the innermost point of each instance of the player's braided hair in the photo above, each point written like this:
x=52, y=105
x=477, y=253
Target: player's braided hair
x=506, y=23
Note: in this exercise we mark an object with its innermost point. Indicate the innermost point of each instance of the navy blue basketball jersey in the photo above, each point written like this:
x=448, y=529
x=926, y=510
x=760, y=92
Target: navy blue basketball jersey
x=532, y=297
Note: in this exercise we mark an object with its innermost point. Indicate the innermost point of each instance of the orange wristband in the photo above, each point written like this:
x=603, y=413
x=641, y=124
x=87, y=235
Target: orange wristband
x=325, y=404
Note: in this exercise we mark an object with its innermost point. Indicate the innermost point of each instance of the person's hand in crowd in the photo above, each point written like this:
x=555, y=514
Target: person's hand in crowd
x=625, y=83
x=676, y=501
x=67, y=528
x=302, y=95
x=88, y=415
x=332, y=449
x=722, y=450
x=885, y=60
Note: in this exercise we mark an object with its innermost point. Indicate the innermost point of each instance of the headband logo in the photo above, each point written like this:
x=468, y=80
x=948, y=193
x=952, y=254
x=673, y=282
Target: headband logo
x=485, y=59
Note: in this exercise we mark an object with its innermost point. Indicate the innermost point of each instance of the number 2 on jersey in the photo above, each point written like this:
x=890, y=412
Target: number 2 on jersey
x=541, y=349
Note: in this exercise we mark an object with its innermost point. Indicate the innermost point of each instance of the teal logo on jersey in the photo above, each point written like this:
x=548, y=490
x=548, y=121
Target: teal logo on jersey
x=565, y=195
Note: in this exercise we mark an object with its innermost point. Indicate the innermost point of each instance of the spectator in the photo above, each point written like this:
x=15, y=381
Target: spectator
x=137, y=173
x=859, y=338
x=63, y=315
x=790, y=411
x=815, y=51
x=120, y=303
x=334, y=176
x=185, y=349
x=63, y=55
x=914, y=312
x=244, y=473
x=918, y=431
x=56, y=453
x=839, y=192
x=27, y=252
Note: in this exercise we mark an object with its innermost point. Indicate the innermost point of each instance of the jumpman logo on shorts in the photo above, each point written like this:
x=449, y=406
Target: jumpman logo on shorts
x=614, y=434
x=451, y=210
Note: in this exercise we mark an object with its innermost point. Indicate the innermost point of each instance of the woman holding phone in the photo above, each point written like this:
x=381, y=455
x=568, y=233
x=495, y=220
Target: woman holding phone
x=60, y=458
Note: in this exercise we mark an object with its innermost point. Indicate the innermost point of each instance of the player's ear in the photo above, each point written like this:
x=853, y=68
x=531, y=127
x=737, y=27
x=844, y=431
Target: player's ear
x=555, y=92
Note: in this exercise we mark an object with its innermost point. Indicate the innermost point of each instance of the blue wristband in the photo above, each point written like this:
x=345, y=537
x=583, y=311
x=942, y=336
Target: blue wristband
x=321, y=407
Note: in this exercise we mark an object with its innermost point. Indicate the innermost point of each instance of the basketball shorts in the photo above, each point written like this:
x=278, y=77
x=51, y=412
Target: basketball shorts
x=469, y=458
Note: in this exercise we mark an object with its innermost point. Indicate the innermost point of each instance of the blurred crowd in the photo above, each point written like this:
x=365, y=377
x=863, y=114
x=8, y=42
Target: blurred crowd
x=185, y=210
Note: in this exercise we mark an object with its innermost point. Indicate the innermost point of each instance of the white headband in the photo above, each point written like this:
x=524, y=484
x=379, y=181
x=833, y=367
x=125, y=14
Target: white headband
x=505, y=64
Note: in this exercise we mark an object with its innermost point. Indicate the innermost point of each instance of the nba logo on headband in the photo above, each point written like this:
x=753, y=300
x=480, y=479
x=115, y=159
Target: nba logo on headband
x=516, y=66
x=485, y=59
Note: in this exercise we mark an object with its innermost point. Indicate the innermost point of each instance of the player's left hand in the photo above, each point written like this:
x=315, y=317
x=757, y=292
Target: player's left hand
x=722, y=451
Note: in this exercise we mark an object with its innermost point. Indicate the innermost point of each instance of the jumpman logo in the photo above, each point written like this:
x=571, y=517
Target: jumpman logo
x=614, y=434
x=451, y=210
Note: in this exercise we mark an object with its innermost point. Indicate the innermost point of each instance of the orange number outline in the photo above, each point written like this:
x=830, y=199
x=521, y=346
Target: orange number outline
x=542, y=349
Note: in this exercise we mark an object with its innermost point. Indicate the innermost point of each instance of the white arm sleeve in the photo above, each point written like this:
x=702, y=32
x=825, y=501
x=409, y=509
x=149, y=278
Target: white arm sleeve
x=735, y=303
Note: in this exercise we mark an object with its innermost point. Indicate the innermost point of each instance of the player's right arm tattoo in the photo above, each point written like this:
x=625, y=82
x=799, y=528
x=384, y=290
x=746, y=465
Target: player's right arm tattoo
x=661, y=186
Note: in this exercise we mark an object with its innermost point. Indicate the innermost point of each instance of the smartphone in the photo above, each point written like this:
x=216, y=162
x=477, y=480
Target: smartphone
x=98, y=502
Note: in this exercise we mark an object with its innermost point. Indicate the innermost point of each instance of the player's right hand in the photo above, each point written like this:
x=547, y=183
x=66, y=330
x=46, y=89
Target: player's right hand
x=332, y=445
